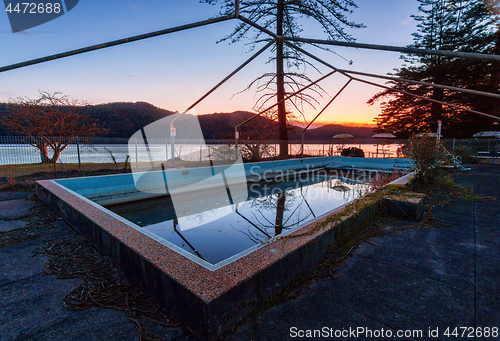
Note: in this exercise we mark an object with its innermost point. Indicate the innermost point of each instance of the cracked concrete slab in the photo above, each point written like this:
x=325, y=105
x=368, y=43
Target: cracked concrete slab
x=15, y=209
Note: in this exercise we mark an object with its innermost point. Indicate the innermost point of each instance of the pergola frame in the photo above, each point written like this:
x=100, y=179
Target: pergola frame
x=288, y=41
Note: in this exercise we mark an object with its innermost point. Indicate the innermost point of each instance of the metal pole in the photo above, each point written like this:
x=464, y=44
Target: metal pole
x=286, y=98
x=427, y=99
x=451, y=54
x=201, y=150
x=388, y=88
x=265, y=30
x=78, y=151
x=172, y=146
x=358, y=79
x=236, y=137
x=453, y=146
x=221, y=82
x=439, y=130
x=224, y=80
x=473, y=92
x=136, y=155
x=166, y=150
x=328, y=104
x=115, y=42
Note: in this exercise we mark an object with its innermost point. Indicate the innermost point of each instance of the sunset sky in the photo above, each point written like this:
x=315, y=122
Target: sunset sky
x=173, y=71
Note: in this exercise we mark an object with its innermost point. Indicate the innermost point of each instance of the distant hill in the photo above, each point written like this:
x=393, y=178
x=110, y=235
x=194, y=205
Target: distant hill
x=124, y=119
x=221, y=125
x=121, y=119
x=326, y=132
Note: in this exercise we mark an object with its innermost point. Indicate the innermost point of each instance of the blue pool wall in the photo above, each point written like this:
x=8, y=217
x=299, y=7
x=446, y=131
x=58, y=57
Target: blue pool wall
x=112, y=189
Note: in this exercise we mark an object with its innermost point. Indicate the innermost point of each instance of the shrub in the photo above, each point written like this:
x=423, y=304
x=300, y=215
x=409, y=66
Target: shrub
x=224, y=153
x=382, y=179
x=353, y=151
x=426, y=156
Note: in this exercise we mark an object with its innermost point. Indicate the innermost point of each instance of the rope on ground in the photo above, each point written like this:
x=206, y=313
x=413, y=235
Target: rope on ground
x=41, y=221
x=103, y=284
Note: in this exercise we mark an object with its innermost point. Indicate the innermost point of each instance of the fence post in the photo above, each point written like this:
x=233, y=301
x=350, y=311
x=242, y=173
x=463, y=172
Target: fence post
x=136, y=158
x=172, y=148
x=236, y=137
x=302, y=145
x=78, y=152
x=201, y=150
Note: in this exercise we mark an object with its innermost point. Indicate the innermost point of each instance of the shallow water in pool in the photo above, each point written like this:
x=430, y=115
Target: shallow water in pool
x=215, y=231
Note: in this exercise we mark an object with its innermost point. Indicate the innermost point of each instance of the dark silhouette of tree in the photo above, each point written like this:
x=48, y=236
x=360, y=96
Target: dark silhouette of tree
x=455, y=25
x=52, y=120
x=280, y=212
x=281, y=17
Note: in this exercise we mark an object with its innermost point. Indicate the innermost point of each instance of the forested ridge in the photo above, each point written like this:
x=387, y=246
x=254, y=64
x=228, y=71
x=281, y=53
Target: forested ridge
x=123, y=119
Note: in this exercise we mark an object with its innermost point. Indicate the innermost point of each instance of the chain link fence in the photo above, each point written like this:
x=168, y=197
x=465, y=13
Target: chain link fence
x=19, y=155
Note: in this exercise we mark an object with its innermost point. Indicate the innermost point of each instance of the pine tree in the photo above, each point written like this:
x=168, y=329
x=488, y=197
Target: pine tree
x=281, y=17
x=455, y=25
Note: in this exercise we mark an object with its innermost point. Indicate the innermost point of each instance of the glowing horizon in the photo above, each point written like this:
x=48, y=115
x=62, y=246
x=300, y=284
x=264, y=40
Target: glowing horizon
x=173, y=71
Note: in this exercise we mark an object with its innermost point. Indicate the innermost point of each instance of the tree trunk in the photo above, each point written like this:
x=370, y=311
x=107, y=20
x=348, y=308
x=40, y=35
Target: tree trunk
x=495, y=75
x=438, y=95
x=280, y=83
x=56, y=155
x=43, y=153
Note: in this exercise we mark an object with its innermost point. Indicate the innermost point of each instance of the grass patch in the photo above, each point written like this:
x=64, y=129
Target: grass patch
x=443, y=190
x=12, y=171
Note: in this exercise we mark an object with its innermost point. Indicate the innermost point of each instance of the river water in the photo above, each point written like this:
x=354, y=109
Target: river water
x=109, y=153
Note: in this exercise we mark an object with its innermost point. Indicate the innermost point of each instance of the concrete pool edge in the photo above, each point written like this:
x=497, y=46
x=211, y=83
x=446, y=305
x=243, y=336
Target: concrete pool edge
x=208, y=302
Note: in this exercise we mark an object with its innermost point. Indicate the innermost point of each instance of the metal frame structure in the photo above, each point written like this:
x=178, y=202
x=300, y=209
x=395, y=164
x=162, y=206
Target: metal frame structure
x=314, y=119
x=289, y=42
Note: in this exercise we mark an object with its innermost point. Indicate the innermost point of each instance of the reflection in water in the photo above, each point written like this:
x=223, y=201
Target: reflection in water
x=280, y=210
x=215, y=230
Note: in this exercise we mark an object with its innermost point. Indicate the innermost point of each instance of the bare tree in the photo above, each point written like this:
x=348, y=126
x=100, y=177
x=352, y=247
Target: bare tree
x=281, y=17
x=52, y=120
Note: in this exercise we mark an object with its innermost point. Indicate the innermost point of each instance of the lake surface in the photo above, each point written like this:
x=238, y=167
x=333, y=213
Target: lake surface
x=109, y=153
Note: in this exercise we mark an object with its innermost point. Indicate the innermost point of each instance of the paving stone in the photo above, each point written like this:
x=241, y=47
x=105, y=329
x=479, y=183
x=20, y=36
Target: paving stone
x=397, y=298
x=9, y=225
x=15, y=209
x=12, y=195
x=34, y=304
x=488, y=277
x=309, y=311
x=422, y=252
x=91, y=325
x=488, y=314
x=488, y=244
x=18, y=262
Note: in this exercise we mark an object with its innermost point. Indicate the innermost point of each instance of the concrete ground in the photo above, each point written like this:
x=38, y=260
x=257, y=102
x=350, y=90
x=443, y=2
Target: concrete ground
x=421, y=282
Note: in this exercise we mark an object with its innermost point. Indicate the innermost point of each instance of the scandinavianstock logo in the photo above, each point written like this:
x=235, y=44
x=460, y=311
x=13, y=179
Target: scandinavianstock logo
x=29, y=14
x=213, y=185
